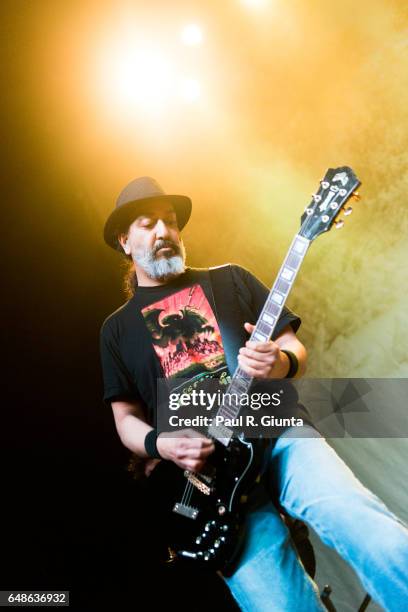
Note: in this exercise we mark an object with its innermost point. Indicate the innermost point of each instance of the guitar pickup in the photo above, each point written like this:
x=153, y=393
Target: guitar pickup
x=221, y=433
x=187, y=511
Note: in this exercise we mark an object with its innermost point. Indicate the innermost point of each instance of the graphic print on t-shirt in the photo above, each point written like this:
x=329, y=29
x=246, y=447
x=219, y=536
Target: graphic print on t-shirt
x=185, y=335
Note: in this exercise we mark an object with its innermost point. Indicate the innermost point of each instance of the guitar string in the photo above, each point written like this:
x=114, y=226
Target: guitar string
x=186, y=496
x=190, y=492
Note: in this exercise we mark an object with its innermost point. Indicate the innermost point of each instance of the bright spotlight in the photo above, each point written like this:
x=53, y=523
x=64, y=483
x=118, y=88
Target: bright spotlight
x=144, y=77
x=254, y=3
x=190, y=90
x=192, y=35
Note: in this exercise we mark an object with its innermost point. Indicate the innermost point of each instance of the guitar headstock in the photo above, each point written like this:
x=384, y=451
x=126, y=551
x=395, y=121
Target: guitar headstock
x=336, y=188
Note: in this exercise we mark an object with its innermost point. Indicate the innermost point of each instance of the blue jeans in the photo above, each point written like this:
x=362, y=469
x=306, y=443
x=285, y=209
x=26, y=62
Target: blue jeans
x=314, y=485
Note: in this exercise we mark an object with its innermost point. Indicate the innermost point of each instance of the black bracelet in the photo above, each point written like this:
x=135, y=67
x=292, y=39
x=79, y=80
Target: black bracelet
x=293, y=363
x=150, y=444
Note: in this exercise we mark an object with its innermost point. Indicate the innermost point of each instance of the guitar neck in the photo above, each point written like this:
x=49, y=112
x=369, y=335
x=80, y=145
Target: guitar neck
x=336, y=188
x=268, y=319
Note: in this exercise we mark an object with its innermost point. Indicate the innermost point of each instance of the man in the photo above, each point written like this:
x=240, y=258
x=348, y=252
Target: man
x=148, y=338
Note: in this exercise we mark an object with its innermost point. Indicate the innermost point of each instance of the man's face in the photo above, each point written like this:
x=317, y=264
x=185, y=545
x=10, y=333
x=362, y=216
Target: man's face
x=153, y=240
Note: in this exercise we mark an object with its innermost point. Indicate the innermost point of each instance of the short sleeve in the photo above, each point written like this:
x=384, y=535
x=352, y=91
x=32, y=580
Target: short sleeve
x=116, y=378
x=253, y=294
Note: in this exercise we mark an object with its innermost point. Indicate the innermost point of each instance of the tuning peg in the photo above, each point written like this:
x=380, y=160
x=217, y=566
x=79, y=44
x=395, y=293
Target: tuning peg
x=348, y=211
x=339, y=224
x=356, y=195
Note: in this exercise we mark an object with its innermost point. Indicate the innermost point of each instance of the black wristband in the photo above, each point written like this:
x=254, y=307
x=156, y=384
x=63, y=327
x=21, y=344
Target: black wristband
x=150, y=444
x=293, y=363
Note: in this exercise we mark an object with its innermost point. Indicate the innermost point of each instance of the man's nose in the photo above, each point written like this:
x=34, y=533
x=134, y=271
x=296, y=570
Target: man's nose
x=162, y=230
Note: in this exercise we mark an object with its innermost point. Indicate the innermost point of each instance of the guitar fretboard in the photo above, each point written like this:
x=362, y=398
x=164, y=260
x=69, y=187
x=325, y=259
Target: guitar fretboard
x=265, y=326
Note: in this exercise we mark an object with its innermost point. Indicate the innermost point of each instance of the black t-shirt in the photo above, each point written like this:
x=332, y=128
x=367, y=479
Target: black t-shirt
x=135, y=345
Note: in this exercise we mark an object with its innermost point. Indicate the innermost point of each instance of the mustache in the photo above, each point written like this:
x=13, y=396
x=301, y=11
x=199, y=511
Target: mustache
x=161, y=244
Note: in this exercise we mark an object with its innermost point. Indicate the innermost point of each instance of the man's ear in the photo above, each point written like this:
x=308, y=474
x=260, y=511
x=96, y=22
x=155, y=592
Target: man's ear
x=123, y=241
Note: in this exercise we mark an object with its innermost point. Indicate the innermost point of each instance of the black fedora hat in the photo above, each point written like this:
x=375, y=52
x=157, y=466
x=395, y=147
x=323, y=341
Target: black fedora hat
x=129, y=204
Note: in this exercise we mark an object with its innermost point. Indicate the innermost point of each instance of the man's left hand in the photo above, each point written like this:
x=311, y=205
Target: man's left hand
x=262, y=359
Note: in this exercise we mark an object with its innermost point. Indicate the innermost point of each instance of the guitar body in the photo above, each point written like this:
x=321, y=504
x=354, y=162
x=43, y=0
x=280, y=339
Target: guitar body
x=203, y=512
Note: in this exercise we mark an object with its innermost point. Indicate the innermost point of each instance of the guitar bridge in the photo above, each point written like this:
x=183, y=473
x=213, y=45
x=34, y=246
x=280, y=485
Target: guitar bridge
x=187, y=511
x=199, y=484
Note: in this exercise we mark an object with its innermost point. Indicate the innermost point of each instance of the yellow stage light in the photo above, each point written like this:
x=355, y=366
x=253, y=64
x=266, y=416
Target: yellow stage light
x=190, y=90
x=192, y=35
x=255, y=3
x=144, y=77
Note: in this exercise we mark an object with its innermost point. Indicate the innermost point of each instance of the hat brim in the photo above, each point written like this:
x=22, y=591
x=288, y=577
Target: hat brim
x=120, y=219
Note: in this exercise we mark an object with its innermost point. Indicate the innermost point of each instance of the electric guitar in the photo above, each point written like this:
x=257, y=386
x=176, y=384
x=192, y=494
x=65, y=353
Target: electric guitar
x=204, y=511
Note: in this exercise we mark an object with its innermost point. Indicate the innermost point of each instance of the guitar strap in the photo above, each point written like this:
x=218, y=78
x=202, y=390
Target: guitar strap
x=228, y=312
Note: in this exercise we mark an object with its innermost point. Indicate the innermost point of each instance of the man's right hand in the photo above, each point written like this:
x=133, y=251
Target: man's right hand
x=186, y=448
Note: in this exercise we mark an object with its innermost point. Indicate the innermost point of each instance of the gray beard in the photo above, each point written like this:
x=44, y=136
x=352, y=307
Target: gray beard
x=163, y=268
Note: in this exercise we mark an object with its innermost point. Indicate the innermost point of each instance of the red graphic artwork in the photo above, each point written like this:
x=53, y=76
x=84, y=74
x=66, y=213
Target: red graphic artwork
x=185, y=334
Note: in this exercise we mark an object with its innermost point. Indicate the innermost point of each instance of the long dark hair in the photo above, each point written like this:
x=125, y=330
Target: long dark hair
x=129, y=278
